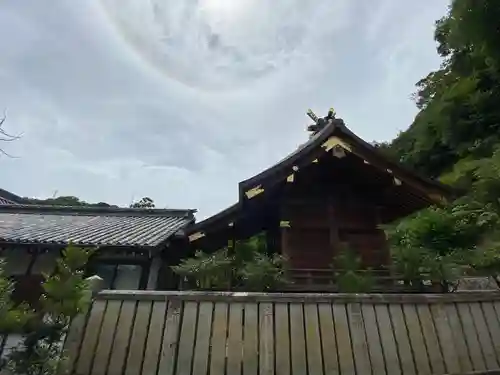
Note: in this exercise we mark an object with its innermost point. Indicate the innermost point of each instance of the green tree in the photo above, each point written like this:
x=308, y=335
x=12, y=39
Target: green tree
x=65, y=295
x=13, y=317
x=459, y=116
x=145, y=202
x=349, y=275
x=68, y=201
x=263, y=273
x=207, y=271
x=456, y=137
x=245, y=266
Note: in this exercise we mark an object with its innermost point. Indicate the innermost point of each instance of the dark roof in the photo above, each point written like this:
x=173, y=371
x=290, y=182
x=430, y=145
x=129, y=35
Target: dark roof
x=90, y=226
x=310, y=150
x=6, y=197
x=338, y=128
x=223, y=216
x=6, y=201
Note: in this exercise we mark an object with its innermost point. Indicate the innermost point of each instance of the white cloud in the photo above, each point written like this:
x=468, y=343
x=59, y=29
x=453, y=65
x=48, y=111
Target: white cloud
x=181, y=100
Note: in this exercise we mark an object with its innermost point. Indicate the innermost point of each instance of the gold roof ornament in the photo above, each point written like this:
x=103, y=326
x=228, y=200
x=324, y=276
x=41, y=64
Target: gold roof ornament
x=196, y=236
x=331, y=113
x=285, y=224
x=333, y=141
x=254, y=191
x=312, y=115
x=320, y=123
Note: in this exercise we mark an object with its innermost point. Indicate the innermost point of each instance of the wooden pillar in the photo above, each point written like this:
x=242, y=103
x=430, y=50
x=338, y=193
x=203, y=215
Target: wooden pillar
x=386, y=252
x=333, y=224
x=231, y=245
x=285, y=243
x=273, y=238
x=154, y=269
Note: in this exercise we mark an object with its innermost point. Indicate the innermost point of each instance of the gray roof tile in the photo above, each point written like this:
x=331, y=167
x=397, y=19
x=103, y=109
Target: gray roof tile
x=6, y=197
x=90, y=225
x=6, y=201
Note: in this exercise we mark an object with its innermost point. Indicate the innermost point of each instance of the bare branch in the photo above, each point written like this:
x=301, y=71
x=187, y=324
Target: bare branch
x=7, y=137
x=7, y=154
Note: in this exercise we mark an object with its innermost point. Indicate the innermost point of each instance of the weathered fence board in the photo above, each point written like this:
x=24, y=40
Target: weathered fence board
x=106, y=338
x=251, y=343
x=235, y=339
x=459, y=342
x=373, y=338
x=170, y=336
x=186, y=340
x=218, y=344
x=431, y=339
x=202, y=347
x=282, y=337
x=389, y=347
x=402, y=339
x=358, y=333
x=266, y=351
x=90, y=338
x=165, y=333
x=122, y=337
x=471, y=337
x=297, y=342
x=328, y=341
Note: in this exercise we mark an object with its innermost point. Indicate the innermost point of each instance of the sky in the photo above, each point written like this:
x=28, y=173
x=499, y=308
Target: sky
x=181, y=100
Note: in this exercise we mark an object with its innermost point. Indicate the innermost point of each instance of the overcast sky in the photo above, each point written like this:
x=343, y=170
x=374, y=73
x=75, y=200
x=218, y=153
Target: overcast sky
x=181, y=100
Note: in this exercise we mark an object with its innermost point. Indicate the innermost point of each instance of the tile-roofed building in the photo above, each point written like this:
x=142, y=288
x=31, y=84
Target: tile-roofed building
x=6, y=197
x=90, y=226
x=134, y=246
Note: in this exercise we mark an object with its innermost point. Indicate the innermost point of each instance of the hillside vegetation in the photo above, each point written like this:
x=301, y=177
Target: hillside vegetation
x=456, y=138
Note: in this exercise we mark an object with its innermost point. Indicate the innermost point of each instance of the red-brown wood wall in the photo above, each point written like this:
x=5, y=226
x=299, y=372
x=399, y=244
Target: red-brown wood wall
x=321, y=226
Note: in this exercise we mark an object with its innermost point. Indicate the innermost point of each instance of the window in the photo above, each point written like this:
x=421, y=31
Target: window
x=128, y=276
x=120, y=276
x=9, y=342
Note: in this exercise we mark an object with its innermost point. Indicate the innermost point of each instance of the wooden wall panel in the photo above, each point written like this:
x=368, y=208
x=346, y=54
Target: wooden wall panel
x=250, y=334
x=309, y=248
x=320, y=224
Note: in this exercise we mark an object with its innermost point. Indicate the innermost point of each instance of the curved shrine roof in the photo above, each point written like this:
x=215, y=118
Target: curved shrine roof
x=334, y=135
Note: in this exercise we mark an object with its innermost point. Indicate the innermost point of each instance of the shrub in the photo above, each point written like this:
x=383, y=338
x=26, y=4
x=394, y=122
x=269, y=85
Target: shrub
x=349, y=276
x=248, y=267
x=65, y=295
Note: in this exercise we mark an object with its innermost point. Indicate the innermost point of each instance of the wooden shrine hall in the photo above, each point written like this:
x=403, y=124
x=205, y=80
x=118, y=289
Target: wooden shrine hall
x=333, y=192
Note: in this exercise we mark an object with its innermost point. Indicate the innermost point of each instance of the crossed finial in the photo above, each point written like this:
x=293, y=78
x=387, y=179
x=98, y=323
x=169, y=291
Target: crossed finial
x=320, y=123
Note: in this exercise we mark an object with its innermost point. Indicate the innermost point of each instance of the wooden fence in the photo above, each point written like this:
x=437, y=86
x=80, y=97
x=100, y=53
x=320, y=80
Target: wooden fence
x=185, y=333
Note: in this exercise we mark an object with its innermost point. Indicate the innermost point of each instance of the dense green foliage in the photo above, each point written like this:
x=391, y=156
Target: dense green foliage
x=65, y=201
x=348, y=273
x=65, y=294
x=456, y=137
x=12, y=317
x=246, y=266
x=145, y=202
x=459, y=117
x=71, y=201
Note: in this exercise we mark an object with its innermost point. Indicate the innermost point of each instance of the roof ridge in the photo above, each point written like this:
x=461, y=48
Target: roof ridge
x=92, y=210
x=7, y=195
